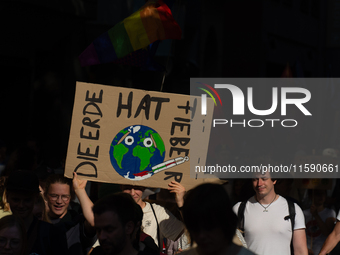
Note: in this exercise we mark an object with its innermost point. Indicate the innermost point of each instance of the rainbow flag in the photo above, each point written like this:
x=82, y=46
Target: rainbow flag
x=150, y=23
x=142, y=58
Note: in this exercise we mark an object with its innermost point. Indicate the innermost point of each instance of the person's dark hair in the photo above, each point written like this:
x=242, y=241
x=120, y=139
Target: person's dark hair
x=14, y=221
x=122, y=204
x=59, y=178
x=263, y=175
x=22, y=181
x=43, y=214
x=208, y=206
x=126, y=209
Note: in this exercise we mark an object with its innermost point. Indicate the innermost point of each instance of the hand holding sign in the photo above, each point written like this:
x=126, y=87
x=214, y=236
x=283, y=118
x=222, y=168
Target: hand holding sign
x=179, y=191
x=135, y=137
x=77, y=183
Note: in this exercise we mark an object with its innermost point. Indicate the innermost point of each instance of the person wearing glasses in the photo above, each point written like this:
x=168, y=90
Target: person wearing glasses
x=22, y=189
x=79, y=228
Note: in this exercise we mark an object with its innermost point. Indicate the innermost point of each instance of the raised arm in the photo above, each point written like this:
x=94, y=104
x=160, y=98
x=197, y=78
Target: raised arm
x=179, y=190
x=85, y=201
x=332, y=240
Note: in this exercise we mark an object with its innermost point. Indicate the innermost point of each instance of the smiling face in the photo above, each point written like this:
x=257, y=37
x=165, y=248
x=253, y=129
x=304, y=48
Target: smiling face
x=263, y=185
x=58, y=198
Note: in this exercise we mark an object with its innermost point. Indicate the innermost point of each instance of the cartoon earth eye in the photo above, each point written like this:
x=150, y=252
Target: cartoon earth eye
x=147, y=142
x=129, y=140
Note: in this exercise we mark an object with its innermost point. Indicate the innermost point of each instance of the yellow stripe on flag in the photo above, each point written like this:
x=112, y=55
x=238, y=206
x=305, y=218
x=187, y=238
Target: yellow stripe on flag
x=152, y=24
x=135, y=29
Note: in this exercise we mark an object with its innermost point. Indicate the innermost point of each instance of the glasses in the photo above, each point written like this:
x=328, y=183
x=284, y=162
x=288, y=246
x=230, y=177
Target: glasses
x=14, y=243
x=55, y=197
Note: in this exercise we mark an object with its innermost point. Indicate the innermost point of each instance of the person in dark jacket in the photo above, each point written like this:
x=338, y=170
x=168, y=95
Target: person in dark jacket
x=42, y=238
x=79, y=227
x=118, y=224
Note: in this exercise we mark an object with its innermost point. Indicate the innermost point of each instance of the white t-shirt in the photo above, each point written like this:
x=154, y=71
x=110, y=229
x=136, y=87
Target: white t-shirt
x=169, y=226
x=268, y=233
x=338, y=217
x=312, y=229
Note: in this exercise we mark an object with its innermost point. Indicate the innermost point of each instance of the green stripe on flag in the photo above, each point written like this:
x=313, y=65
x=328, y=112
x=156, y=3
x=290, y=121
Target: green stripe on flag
x=120, y=40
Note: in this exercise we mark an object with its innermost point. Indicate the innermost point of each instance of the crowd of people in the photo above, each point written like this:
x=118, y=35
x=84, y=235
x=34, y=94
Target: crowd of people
x=52, y=214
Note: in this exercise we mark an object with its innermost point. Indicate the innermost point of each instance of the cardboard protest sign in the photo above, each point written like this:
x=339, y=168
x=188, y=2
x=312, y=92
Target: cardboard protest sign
x=129, y=136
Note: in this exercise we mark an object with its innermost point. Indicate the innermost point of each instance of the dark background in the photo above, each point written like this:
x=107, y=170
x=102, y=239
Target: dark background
x=41, y=41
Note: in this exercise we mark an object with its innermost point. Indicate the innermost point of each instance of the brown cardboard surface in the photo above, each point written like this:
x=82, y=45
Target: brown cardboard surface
x=115, y=128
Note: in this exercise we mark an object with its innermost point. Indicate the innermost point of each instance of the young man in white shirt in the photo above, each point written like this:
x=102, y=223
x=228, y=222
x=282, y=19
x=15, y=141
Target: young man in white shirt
x=267, y=224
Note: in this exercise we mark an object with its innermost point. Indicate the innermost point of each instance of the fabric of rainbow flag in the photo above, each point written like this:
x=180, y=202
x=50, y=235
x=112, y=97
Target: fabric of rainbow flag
x=129, y=41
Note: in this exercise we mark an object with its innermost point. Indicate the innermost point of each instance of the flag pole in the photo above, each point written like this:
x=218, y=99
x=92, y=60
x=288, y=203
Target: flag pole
x=166, y=66
x=162, y=81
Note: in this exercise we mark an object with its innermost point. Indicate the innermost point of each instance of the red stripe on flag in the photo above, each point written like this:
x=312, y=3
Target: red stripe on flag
x=171, y=28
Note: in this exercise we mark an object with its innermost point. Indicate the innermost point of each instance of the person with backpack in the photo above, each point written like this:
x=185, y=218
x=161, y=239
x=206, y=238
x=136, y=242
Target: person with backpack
x=269, y=222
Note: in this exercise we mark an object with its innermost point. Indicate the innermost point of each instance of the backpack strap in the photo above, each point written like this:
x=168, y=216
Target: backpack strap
x=291, y=209
x=160, y=245
x=240, y=216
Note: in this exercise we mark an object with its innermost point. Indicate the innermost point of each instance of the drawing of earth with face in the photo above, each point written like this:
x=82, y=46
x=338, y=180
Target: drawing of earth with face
x=135, y=150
